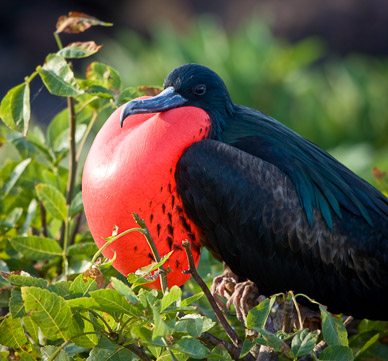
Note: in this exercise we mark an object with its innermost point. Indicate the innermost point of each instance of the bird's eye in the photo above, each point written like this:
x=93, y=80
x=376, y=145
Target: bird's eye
x=199, y=89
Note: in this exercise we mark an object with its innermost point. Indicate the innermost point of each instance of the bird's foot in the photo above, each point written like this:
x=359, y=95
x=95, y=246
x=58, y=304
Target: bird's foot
x=223, y=286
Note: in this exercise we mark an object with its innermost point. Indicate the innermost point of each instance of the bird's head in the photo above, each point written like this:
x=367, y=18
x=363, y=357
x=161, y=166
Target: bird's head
x=188, y=85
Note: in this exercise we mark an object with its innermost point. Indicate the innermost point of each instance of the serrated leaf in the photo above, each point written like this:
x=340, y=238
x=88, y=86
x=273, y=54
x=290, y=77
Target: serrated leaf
x=16, y=305
x=111, y=301
x=79, y=49
x=25, y=356
x=191, y=347
x=333, y=330
x=82, y=285
x=83, y=329
x=15, y=175
x=37, y=248
x=58, y=77
x=15, y=109
x=171, y=296
x=61, y=288
x=48, y=310
x=124, y=290
x=304, y=342
x=32, y=328
x=76, y=22
x=53, y=200
x=144, y=271
x=12, y=333
x=257, y=316
x=337, y=353
x=22, y=280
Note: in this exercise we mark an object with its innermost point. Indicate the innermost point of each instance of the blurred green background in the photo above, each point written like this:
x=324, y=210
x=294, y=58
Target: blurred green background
x=319, y=69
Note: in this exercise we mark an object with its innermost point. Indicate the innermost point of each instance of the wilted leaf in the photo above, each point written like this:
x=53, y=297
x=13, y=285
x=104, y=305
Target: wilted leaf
x=149, y=90
x=53, y=200
x=77, y=22
x=79, y=49
x=15, y=109
x=48, y=310
x=37, y=248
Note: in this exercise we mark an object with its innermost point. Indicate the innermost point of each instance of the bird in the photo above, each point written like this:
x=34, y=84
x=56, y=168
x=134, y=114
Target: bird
x=277, y=209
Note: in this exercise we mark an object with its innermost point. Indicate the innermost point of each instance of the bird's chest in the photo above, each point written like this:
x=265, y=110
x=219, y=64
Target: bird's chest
x=133, y=171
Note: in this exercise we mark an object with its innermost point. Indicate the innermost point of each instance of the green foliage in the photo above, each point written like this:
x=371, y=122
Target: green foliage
x=56, y=302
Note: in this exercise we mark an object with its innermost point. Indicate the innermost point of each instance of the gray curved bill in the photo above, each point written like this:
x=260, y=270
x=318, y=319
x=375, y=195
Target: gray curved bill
x=167, y=99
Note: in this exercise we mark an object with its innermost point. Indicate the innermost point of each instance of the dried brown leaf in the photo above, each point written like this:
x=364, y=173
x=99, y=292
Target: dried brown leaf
x=77, y=22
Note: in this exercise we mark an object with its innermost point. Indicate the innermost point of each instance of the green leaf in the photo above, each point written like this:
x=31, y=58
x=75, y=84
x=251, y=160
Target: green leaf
x=83, y=330
x=111, y=301
x=83, y=303
x=246, y=347
x=82, y=248
x=16, y=305
x=108, y=351
x=53, y=200
x=191, y=347
x=48, y=351
x=37, y=248
x=144, y=271
x=32, y=328
x=58, y=77
x=12, y=333
x=333, y=330
x=25, y=356
x=31, y=210
x=337, y=353
x=15, y=109
x=124, y=290
x=77, y=205
x=82, y=285
x=257, y=316
x=23, y=280
x=173, y=295
x=61, y=288
x=15, y=175
x=190, y=324
x=304, y=342
x=108, y=76
x=191, y=299
x=79, y=50
x=48, y=310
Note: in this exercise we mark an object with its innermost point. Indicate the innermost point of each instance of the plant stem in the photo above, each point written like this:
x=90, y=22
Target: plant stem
x=138, y=351
x=72, y=151
x=83, y=140
x=192, y=270
x=58, y=40
x=154, y=250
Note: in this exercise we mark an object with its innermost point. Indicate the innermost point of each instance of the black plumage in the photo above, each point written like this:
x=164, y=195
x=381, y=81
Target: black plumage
x=275, y=207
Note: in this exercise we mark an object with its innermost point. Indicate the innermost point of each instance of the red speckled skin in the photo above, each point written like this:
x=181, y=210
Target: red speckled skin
x=131, y=169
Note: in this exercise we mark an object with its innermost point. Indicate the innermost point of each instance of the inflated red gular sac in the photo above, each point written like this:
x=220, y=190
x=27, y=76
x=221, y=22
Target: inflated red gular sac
x=130, y=169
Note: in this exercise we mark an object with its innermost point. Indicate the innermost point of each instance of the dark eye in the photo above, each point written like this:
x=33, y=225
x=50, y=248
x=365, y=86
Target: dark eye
x=199, y=89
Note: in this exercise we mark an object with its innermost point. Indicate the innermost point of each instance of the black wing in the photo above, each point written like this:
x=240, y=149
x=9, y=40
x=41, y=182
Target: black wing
x=250, y=215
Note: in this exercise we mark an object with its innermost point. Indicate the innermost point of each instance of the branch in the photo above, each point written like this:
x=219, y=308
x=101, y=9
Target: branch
x=72, y=154
x=138, y=351
x=220, y=316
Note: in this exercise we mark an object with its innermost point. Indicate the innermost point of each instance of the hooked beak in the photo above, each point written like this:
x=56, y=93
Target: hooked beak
x=167, y=99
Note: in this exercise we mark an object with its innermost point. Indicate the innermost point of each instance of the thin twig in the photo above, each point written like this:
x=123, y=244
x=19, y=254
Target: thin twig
x=220, y=316
x=297, y=310
x=154, y=250
x=72, y=151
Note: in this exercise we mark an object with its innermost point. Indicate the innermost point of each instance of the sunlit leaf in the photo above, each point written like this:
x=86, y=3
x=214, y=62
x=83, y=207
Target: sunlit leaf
x=48, y=310
x=257, y=316
x=15, y=109
x=37, y=248
x=82, y=285
x=58, y=77
x=12, y=333
x=79, y=49
x=16, y=173
x=333, y=330
x=304, y=342
x=173, y=294
x=53, y=200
